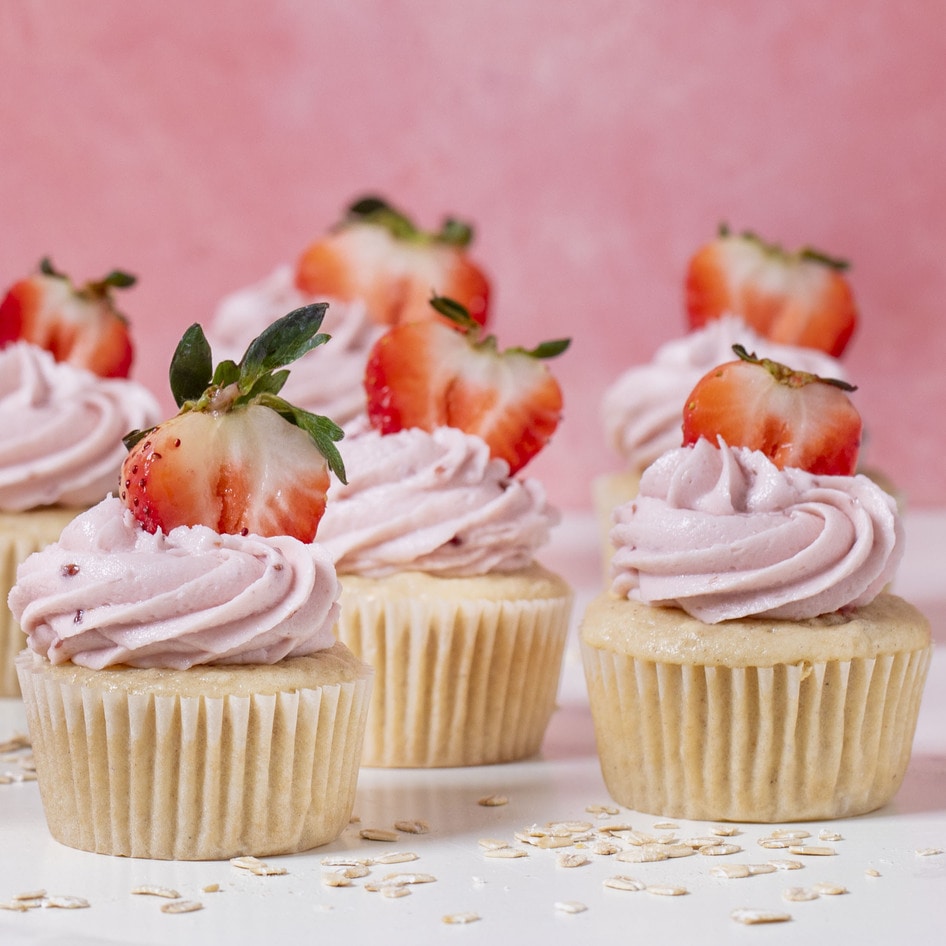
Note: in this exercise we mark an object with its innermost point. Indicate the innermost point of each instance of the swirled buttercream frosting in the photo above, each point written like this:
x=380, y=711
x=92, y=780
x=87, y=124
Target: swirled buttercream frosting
x=61, y=429
x=109, y=593
x=642, y=410
x=433, y=502
x=722, y=533
x=333, y=384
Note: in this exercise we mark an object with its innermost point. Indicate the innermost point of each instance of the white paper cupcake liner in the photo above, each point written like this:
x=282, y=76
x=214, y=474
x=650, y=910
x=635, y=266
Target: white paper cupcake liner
x=21, y=534
x=192, y=777
x=789, y=742
x=459, y=681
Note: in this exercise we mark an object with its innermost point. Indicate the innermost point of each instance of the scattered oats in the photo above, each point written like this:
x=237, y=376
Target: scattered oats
x=408, y=879
x=929, y=851
x=751, y=917
x=811, y=850
x=17, y=906
x=665, y=826
x=31, y=895
x=571, y=860
x=605, y=848
x=825, y=835
x=247, y=862
x=458, y=919
x=335, y=878
x=355, y=819
x=666, y=890
x=210, y=888
x=378, y=834
x=150, y=890
x=569, y=827
x=623, y=882
x=724, y=830
x=395, y=857
x=25, y=777
x=570, y=906
x=612, y=829
x=255, y=866
x=755, y=869
x=774, y=844
x=799, y=894
x=493, y=801
x=393, y=891
x=719, y=850
x=638, y=838
x=872, y=872
x=182, y=906
x=343, y=861
x=6, y=779
x=643, y=855
x=492, y=844
x=505, y=852
x=552, y=842
x=785, y=863
x=678, y=850
x=731, y=871
x=603, y=811
x=828, y=889
x=414, y=826
x=700, y=842
x=792, y=834
x=66, y=903
x=15, y=743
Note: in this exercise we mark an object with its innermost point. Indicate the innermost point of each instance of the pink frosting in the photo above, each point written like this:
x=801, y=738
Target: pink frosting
x=723, y=533
x=643, y=410
x=328, y=380
x=433, y=502
x=110, y=593
x=61, y=429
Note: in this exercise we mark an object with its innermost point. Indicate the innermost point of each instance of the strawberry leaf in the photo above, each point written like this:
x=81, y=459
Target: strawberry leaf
x=227, y=372
x=455, y=233
x=323, y=432
x=267, y=384
x=191, y=368
x=282, y=343
x=455, y=312
x=549, y=349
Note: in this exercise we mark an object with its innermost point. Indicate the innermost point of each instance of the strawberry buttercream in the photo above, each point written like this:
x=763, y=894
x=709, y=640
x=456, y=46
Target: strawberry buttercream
x=111, y=593
x=331, y=384
x=432, y=502
x=642, y=409
x=61, y=429
x=722, y=533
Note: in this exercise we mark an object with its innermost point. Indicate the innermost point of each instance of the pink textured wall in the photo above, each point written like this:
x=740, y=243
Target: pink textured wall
x=594, y=145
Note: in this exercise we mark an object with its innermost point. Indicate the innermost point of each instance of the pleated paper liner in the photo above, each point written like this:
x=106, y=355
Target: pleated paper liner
x=21, y=534
x=466, y=669
x=806, y=737
x=202, y=764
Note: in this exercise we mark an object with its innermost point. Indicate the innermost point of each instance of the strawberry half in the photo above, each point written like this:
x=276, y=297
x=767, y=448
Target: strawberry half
x=440, y=373
x=237, y=458
x=378, y=255
x=77, y=325
x=800, y=298
x=796, y=419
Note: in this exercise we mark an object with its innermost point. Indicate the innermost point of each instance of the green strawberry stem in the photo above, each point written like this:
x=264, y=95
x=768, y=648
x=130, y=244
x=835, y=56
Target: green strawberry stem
x=376, y=210
x=785, y=375
x=458, y=314
x=807, y=253
x=257, y=379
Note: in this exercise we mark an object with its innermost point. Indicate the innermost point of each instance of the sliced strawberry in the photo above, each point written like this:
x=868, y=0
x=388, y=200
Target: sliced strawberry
x=237, y=458
x=77, y=325
x=441, y=373
x=796, y=419
x=800, y=298
x=378, y=255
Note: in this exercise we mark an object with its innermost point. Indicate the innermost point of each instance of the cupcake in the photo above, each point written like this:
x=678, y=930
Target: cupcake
x=747, y=663
x=435, y=539
x=65, y=403
x=185, y=693
x=794, y=308
x=375, y=269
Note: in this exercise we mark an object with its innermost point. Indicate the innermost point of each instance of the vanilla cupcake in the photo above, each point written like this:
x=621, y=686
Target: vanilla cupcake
x=435, y=541
x=746, y=664
x=185, y=694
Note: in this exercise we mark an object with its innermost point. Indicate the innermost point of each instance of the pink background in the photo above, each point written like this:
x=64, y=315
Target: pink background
x=594, y=144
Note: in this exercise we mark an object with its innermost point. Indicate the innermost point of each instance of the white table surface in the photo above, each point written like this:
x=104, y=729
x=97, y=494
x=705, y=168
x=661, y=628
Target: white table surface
x=517, y=899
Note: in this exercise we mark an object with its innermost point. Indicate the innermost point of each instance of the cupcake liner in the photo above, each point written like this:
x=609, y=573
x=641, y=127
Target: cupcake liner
x=794, y=741
x=459, y=680
x=148, y=772
x=21, y=534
